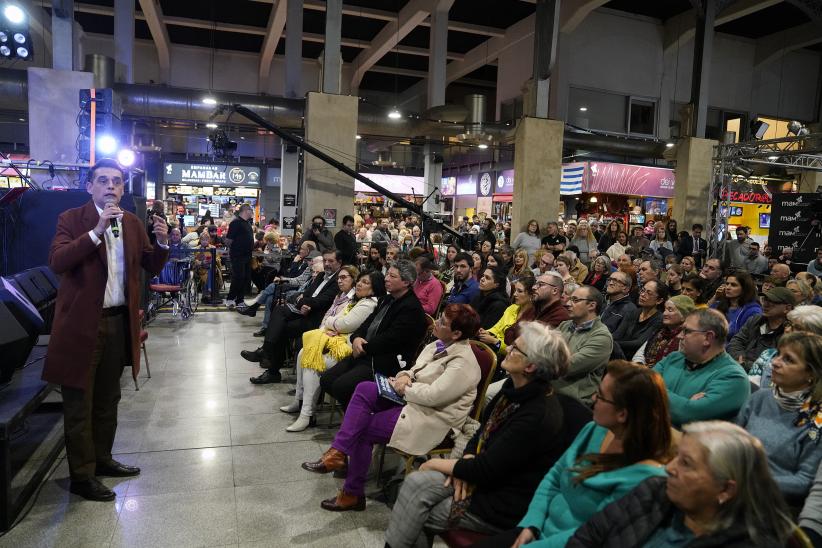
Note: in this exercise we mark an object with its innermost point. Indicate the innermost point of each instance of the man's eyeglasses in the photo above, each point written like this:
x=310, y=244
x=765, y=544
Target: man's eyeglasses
x=539, y=284
x=615, y=281
x=687, y=331
x=575, y=300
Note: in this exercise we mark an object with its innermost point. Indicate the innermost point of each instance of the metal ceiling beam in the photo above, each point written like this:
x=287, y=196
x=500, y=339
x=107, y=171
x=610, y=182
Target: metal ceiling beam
x=410, y=16
x=573, y=12
x=774, y=46
x=159, y=33
x=276, y=24
x=491, y=49
x=682, y=28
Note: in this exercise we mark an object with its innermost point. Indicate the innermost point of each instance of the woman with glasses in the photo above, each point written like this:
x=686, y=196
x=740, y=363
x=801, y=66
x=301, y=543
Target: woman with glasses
x=498, y=335
x=639, y=324
x=665, y=339
x=438, y=393
x=528, y=239
x=788, y=419
x=600, y=271
x=325, y=346
x=738, y=301
x=718, y=493
x=492, y=299
x=520, y=436
x=628, y=442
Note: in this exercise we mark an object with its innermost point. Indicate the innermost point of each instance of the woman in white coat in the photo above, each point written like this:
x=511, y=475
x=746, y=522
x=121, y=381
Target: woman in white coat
x=327, y=345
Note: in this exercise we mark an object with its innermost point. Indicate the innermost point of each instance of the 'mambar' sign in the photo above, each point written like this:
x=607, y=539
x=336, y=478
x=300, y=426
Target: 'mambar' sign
x=211, y=174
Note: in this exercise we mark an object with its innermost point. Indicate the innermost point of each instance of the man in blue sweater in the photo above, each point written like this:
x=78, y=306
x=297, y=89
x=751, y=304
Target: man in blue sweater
x=465, y=286
x=703, y=381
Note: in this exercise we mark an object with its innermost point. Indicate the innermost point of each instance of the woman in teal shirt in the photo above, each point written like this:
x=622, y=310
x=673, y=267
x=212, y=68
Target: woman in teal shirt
x=628, y=442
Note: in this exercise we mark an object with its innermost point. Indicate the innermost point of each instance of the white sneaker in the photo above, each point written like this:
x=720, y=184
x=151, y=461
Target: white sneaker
x=293, y=407
x=300, y=424
x=229, y=304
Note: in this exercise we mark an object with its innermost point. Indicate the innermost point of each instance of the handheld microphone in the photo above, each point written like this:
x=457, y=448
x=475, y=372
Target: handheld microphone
x=115, y=228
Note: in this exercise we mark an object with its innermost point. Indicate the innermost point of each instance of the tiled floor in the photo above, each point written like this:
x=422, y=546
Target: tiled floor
x=218, y=467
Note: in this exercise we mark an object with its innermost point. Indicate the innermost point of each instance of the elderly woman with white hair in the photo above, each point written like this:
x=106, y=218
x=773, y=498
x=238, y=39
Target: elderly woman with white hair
x=718, y=492
x=805, y=319
x=520, y=437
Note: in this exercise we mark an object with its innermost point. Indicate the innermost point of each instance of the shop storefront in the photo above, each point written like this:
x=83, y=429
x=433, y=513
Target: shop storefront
x=503, y=195
x=750, y=209
x=370, y=203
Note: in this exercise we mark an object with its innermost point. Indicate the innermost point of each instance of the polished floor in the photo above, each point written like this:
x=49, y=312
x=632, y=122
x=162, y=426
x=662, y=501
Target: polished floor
x=218, y=467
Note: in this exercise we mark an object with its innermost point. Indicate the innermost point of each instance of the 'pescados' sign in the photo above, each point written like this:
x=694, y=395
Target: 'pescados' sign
x=211, y=174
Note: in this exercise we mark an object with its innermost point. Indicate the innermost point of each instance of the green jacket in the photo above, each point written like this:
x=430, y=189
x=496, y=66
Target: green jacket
x=724, y=382
x=590, y=351
x=560, y=505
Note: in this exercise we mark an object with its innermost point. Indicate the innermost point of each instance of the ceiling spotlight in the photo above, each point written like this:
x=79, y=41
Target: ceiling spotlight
x=482, y=146
x=209, y=101
x=359, y=137
x=211, y=125
x=22, y=119
x=395, y=114
x=14, y=14
x=19, y=38
x=773, y=158
x=669, y=145
x=126, y=157
x=22, y=52
x=3, y=36
x=593, y=199
x=5, y=51
x=583, y=109
x=758, y=128
x=106, y=145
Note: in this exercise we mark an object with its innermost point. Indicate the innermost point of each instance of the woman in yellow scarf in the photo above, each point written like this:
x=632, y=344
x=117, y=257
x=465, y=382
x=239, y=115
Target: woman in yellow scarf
x=327, y=345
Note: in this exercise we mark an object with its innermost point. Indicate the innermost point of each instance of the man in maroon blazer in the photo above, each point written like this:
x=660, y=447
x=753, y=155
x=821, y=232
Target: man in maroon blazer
x=96, y=329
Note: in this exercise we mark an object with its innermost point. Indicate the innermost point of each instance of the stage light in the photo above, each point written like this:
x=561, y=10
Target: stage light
x=106, y=145
x=14, y=14
x=126, y=157
x=3, y=36
x=209, y=101
x=22, y=52
x=482, y=146
x=773, y=158
x=5, y=51
x=669, y=145
x=759, y=128
x=583, y=109
x=19, y=38
x=395, y=114
x=211, y=125
x=359, y=137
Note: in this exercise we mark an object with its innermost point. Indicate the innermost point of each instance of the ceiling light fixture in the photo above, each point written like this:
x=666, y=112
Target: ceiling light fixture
x=583, y=109
x=359, y=137
x=209, y=101
x=482, y=146
x=395, y=114
x=669, y=145
x=211, y=125
x=773, y=158
x=14, y=14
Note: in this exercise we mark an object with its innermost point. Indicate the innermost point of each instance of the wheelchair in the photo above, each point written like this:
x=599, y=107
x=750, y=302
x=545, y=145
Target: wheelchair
x=176, y=288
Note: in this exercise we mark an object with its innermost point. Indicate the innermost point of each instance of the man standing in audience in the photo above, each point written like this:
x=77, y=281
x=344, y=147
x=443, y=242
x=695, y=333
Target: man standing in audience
x=703, y=381
x=618, y=292
x=96, y=328
x=781, y=274
x=754, y=262
x=240, y=241
x=735, y=251
x=465, y=286
x=291, y=320
x=712, y=272
x=637, y=240
x=318, y=234
x=381, y=235
x=590, y=343
x=694, y=245
x=427, y=288
x=762, y=331
x=553, y=240
x=345, y=242
x=547, y=300
x=389, y=336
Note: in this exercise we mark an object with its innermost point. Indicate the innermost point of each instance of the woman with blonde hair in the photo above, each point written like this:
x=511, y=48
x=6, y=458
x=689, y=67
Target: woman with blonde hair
x=802, y=292
x=585, y=241
x=520, y=267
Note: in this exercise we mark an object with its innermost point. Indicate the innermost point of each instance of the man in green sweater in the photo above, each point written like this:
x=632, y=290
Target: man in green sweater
x=703, y=381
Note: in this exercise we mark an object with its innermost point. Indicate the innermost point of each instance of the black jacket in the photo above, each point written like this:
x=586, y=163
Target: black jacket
x=323, y=301
x=490, y=307
x=630, y=521
x=632, y=333
x=400, y=332
x=346, y=244
x=686, y=247
x=750, y=342
x=614, y=313
x=518, y=454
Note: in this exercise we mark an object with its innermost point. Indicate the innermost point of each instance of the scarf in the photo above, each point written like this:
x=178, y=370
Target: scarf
x=661, y=344
x=809, y=412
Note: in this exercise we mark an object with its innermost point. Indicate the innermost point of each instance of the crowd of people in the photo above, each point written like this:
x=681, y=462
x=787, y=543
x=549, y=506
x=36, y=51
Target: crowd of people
x=648, y=393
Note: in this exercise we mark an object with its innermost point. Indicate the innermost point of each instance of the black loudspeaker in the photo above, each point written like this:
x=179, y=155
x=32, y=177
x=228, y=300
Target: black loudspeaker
x=15, y=343
x=40, y=291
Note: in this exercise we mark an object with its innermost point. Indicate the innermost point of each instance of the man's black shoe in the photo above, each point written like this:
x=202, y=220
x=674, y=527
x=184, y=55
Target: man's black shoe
x=249, y=311
x=266, y=378
x=116, y=469
x=253, y=355
x=260, y=333
x=92, y=490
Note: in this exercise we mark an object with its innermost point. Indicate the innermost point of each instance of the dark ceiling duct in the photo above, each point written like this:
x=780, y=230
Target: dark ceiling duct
x=168, y=103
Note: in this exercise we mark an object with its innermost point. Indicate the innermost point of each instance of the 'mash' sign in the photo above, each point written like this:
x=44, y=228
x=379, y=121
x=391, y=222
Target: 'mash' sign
x=211, y=174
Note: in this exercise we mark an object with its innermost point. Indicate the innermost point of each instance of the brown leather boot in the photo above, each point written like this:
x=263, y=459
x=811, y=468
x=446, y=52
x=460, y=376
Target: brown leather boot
x=330, y=461
x=344, y=502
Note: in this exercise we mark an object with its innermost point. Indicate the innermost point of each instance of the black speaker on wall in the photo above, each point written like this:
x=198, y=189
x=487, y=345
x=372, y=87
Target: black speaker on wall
x=15, y=342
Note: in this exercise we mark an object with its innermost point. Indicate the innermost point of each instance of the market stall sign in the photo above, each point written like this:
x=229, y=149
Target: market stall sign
x=791, y=226
x=213, y=174
x=485, y=184
x=754, y=197
x=505, y=182
x=629, y=180
x=211, y=191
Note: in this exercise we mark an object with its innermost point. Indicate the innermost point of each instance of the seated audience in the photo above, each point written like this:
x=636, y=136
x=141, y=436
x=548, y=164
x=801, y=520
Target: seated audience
x=781, y=274
x=814, y=283
x=521, y=434
x=590, y=343
x=628, y=442
x=673, y=279
x=427, y=287
x=693, y=286
x=446, y=266
x=639, y=325
x=391, y=333
x=598, y=276
x=665, y=339
x=492, y=299
x=788, y=419
x=465, y=285
x=577, y=268
x=688, y=265
x=618, y=295
x=738, y=302
x=802, y=319
x=703, y=381
x=648, y=271
x=718, y=492
x=543, y=261
x=327, y=345
x=562, y=265
x=618, y=248
x=712, y=272
x=520, y=267
x=439, y=391
x=501, y=333
x=377, y=260
x=547, y=299
x=477, y=261
x=802, y=292
x=761, y=332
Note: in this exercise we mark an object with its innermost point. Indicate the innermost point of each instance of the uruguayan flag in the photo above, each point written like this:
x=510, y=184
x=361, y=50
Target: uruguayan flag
x=571, y=182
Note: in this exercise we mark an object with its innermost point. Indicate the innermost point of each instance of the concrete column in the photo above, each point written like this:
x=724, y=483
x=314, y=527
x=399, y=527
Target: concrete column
x=124, y=42
x=438, y=49
x=433, y=175
x=293, y=48
x=700, y=81
x=289, y=185
x=694, y=171
x=332, y=54
x=538, y=168
x=558, y=105
x=62, y=34
x=546, y=37
x=331, y=124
